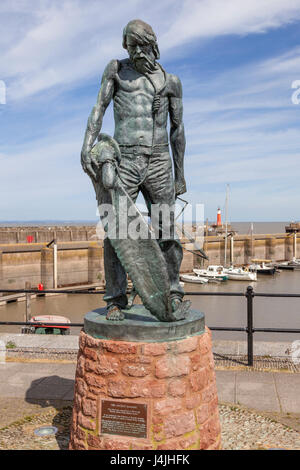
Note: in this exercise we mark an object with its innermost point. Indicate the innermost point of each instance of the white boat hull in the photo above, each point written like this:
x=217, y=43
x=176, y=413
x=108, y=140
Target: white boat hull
x=240, y=274
x=193, y=279
x=210, y=275
x=242, y=277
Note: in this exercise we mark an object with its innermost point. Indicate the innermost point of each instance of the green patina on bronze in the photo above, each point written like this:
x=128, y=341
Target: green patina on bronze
x=139, y=325
x=138, y=159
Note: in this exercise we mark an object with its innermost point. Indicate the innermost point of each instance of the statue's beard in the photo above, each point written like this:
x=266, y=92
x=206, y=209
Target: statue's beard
x=144, y=63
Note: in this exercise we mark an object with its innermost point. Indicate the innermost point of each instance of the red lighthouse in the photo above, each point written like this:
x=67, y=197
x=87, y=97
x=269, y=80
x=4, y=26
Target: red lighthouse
x=219, y=222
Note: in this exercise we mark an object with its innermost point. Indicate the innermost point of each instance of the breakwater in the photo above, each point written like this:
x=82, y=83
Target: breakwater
x=44, y=234
x=80, y=260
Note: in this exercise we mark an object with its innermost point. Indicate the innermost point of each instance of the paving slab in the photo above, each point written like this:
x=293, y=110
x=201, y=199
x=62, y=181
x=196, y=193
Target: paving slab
x=16, y=376
x=288, y=390
x=66, y=370
x=226, y=386
x=257, y=390
x=247, y=377
x=12, y=390
x=263, y=391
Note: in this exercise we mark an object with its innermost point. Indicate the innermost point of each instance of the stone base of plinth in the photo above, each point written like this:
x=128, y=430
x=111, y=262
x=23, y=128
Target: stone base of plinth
x=153, y=395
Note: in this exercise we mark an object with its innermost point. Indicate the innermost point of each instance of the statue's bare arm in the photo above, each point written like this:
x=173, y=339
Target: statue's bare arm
x=177, y=137
x=94, y=124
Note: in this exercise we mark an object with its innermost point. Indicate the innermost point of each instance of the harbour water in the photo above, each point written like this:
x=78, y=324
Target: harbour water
x=259, y=227
x=219, y=311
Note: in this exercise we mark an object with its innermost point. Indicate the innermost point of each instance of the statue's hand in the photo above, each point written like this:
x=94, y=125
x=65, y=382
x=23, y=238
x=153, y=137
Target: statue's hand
x=88, y=163
x=180, y=187
x=108, y=175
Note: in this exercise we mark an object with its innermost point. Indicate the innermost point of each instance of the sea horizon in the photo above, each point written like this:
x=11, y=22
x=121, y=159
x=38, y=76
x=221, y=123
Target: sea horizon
x=239, y=226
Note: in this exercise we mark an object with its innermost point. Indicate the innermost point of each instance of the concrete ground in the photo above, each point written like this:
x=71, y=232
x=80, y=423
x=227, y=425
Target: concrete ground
x=25, y=388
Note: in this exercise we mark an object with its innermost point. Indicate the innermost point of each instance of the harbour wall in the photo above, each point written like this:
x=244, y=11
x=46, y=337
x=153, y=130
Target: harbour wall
x=77, y=263
x=274, y=247
x=41, y=234
x=81, y=261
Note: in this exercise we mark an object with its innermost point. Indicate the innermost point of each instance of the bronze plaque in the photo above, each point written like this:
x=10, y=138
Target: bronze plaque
x=124, y=418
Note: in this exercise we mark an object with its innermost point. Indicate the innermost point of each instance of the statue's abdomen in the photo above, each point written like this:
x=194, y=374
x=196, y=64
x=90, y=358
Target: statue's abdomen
x=134, y=118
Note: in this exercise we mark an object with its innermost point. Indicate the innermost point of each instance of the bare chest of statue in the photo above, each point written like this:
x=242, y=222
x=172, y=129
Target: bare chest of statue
x=134, y=93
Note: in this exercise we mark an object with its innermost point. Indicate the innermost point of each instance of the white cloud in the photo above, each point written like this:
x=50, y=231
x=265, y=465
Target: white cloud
x=211, y=18
x=241, y=126
x=61, y=42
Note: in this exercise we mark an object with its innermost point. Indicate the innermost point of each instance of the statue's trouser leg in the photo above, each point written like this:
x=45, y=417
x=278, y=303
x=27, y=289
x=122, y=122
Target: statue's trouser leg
x=116, y=279
x=158, y=189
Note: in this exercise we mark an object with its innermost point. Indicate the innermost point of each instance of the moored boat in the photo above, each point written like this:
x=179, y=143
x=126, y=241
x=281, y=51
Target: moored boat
x=240, y=274
x=193, y=279
x=289, y=265
x=212, y=272
x=39, y=325
x=260, y=266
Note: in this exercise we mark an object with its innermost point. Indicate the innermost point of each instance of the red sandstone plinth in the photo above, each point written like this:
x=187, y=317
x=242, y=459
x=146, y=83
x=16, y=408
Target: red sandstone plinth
x=175, y=380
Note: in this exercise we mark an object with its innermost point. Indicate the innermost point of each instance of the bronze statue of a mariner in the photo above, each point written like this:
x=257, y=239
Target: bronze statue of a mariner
x=138, y=159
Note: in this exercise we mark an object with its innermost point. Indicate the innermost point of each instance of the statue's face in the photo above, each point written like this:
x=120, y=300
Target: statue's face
x=141, y=54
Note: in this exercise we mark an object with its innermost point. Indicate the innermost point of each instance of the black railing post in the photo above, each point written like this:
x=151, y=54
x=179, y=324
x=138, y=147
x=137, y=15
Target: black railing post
x=250, y=294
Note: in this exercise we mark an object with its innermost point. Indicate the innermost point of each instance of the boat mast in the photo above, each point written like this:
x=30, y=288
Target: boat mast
x=251, y=231
x=226, y=224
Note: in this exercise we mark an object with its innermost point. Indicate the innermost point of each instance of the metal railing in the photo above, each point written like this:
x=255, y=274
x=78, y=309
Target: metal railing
x=249, y=294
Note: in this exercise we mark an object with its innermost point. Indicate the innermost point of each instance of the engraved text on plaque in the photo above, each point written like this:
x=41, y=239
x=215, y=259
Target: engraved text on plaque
x=123, y=418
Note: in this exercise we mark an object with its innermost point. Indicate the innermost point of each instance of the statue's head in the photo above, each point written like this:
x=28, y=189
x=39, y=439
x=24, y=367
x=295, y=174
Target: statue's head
x=140, y=41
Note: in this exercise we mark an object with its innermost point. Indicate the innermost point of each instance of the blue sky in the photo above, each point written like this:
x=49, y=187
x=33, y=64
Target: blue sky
x=236, y=59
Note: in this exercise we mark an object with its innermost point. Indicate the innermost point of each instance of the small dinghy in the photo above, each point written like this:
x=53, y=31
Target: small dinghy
x=193, y=279
x=40, y=327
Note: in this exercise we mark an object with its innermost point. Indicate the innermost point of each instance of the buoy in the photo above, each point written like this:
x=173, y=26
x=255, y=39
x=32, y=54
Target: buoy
x=40, y=286
x=219, y=222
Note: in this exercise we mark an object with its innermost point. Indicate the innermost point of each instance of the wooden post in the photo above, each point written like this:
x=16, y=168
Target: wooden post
x=55, y=264
x=231, y=250
x=295, y=246
x=28, y=302
x=288, y=247
x=47, y=267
